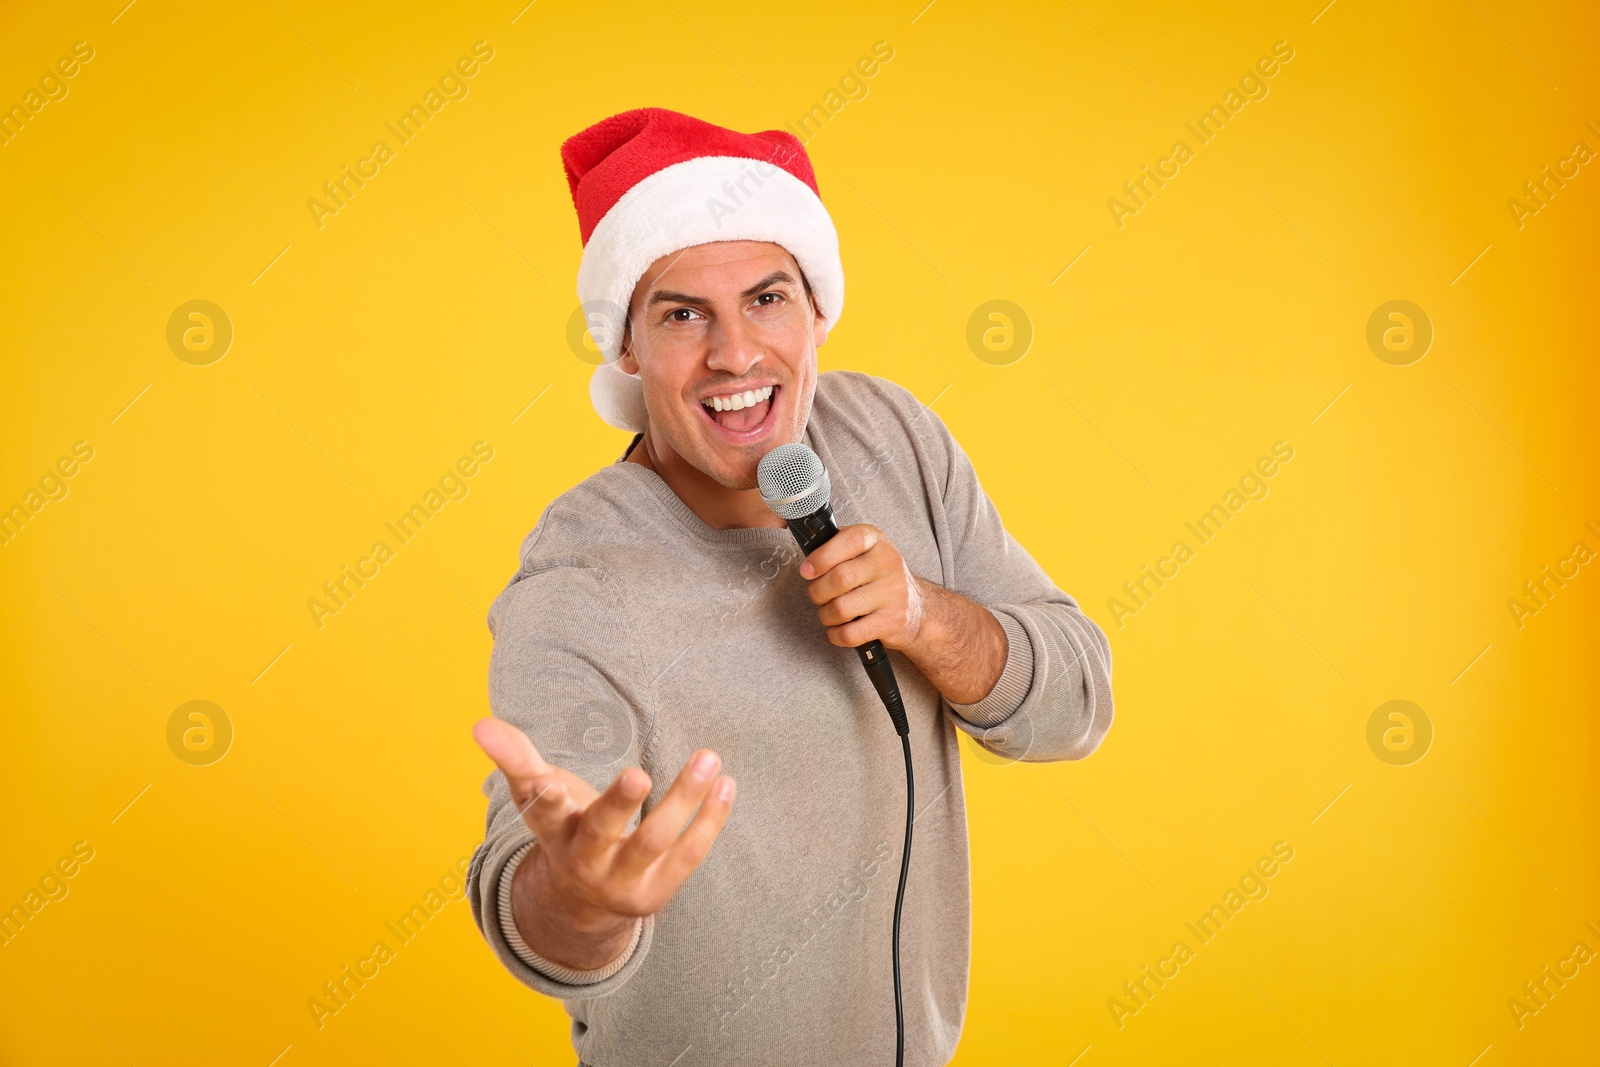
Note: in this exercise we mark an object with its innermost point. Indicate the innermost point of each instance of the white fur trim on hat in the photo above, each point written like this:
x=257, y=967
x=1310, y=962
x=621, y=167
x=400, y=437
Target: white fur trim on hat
x=617, y=396
x=696, y=202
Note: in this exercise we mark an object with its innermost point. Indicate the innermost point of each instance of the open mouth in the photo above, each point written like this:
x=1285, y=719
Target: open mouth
x=741, y=416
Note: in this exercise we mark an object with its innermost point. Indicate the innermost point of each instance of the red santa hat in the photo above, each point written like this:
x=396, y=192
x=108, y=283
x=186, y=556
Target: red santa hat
x=650, y=182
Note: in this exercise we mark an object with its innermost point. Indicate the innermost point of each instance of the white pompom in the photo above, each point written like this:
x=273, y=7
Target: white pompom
x=618, y=397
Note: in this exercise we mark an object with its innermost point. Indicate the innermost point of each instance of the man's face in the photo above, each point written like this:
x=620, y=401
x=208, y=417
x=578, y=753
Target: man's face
x=720, y=321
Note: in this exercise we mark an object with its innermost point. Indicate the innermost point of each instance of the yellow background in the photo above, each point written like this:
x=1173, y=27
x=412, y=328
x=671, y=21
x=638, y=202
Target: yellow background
x=1223, y=317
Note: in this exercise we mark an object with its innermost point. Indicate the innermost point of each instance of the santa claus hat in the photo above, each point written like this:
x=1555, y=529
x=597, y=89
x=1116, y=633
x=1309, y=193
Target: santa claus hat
x=651, y=182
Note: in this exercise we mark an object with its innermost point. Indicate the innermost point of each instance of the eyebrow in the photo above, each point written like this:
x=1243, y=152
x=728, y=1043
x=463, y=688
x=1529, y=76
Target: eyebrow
x=666, y=296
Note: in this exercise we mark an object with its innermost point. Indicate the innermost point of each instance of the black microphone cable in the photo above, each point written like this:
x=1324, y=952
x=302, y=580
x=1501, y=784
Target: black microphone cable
x=795, y=486
x=905, y=864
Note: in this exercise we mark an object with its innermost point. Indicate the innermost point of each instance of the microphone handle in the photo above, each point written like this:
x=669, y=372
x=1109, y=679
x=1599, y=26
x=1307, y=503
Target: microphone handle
x=813, y=531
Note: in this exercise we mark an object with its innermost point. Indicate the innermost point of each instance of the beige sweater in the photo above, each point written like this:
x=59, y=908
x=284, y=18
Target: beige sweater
x=633, y=634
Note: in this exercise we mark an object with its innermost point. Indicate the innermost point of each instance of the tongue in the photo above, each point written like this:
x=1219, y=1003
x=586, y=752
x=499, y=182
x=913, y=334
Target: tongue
x=744, y=418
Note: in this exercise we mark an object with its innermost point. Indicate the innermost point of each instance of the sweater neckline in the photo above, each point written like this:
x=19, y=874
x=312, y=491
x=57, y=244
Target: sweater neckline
x=662, y=493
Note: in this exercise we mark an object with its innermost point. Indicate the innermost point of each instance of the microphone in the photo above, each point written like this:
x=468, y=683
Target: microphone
x=794, y=484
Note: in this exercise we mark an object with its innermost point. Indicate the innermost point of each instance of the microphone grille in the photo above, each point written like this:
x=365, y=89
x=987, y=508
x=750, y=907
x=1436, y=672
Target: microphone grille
x=793, y=481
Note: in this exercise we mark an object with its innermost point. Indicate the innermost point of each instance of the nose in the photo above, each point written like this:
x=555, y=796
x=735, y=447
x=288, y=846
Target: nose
x=735, y=345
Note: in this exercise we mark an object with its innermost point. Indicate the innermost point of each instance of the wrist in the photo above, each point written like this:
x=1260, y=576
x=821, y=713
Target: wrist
x=562, y=959
x=559, y=924
x=931, y=609
x=960, y=645
x=945, y=628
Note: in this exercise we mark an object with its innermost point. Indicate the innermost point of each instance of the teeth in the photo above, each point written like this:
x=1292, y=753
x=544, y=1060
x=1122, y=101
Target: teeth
x=738, y=401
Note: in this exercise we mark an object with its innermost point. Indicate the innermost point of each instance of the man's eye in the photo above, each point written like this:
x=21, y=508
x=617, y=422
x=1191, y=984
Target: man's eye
x=762, y=299
x=680, y=314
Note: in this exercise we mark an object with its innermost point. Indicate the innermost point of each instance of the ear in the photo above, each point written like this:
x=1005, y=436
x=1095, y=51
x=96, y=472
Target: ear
x=819, y=330
x=626, y=360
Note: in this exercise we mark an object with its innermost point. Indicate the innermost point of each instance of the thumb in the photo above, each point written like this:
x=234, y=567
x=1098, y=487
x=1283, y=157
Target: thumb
x=527, y=773
x=510, y=749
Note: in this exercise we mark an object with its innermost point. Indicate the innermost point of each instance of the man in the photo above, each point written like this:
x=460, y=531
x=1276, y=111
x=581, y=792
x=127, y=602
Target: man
x=663, y=627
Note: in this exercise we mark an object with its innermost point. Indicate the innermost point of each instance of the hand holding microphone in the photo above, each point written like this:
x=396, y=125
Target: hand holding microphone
x=859, y=578
x=864, y=590
x=867, y=594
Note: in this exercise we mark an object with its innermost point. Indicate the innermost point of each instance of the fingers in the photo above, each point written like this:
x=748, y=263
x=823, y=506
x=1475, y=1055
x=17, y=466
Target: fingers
x=857, y=632
x=858, y=602
x=548, y=797
x=850, y=574
x=658, y=830
x=545, y=812
x=687, y=852
x=539, y=793
x=848, y=543
x=607, y=817
x=898, y=621
x=511, y=751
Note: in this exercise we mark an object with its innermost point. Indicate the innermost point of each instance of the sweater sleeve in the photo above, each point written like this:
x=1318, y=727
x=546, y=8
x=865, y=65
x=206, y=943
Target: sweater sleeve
x=1053, y=698
x=549, y=968
x=565, y=671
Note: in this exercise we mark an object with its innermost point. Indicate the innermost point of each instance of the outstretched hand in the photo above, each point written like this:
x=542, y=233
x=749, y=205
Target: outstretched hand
x=596, y=866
